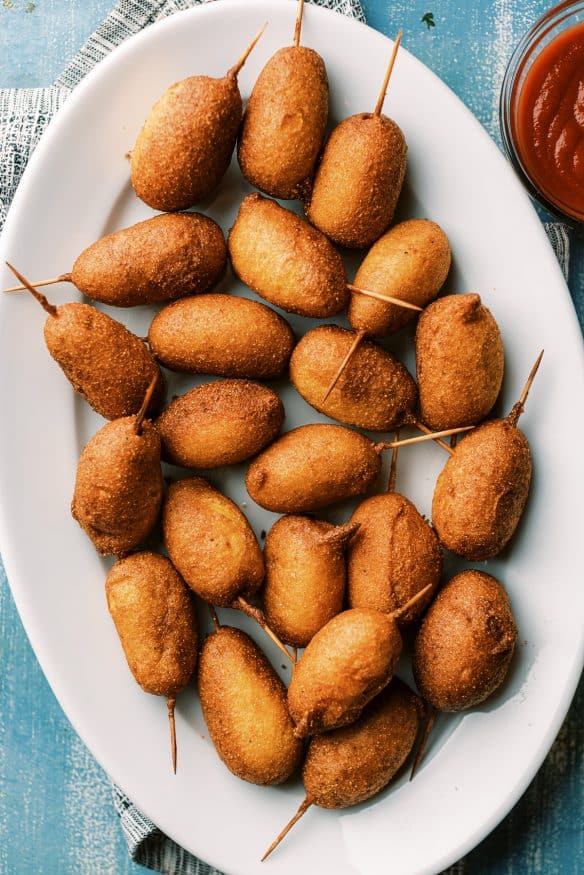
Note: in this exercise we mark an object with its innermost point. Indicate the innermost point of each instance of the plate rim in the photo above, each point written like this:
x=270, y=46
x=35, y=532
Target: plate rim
x=219, y=7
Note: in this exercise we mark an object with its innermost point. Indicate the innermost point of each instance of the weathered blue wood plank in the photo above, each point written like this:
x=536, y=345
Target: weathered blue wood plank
x=35, y=46
x=56, y=815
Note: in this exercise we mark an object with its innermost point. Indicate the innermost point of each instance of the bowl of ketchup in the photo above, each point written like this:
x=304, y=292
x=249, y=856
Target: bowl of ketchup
x=542, y=111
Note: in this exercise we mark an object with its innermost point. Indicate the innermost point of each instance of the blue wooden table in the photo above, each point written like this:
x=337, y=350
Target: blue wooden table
x=56, y=813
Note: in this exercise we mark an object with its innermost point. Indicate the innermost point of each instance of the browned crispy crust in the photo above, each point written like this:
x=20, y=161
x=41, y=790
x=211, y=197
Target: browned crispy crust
x=219, y=423
x=347, y=663
x=394, y=555
x=459, y=362
x=155, y=618
x=222, y=335
x=465, y=643
x=285, y=122
x=375, y=391
x=482, y=491
x=118, y=488
x=286, y=261
x=312, y=466
x=162, y=258
x=244, y=706
x=185, y=146
x=359, y=180
x=210, y=542
x=352, y=764
x=410, y=262
x=105, y=363
x=305, y=577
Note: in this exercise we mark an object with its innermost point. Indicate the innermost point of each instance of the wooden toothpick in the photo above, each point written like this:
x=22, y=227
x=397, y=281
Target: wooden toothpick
x=298, y=27
x=421, y=438
x=47, y=307
x=305, y=805
x=232, y=73
x=145, y=404
x=388, y=72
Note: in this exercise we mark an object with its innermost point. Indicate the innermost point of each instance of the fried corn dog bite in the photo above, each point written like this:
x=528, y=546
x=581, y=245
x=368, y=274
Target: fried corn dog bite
x=410, y=262
x=154, y=261
x=376, y=393
x=312, y=466
x=366, y=754
x=465, y=644
x=305, y=576
x=318, y=464
x=222, y=335
x=394, y=555
x=359, y=180
x=481, y=493
x=285, y=120
x=360, y=176
x=210, y=542
x=464, y=647
x=459, y=362
x=290, y=263
x=162, y=258
x=214, y=548
x=244, y=706
x=118, y=487
x=219, y=423
x=155, y=619
x=105, y=363
x=286, y=261
x=185, y=147
x=352, y=764
x=346, y=664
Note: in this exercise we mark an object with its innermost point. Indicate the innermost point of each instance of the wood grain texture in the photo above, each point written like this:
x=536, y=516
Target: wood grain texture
x=56, y=813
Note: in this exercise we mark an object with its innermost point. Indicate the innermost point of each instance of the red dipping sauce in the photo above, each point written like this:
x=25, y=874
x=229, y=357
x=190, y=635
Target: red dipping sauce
x=547, y=120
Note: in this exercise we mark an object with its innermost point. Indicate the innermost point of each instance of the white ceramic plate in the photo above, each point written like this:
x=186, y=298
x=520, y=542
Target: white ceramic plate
x=75, y=189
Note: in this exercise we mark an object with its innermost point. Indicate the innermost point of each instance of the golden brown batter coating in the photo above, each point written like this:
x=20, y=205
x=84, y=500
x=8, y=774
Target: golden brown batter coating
x=305, y=576
x=285, y=122
x=155, y=618
x=359, y=180
x=394, y=555
x=286, y=261
x=118, y=488
x=185, y=146
x=312, y=466
x=352, y=764
x=410, y=262
x=105, y=363
x=222, y=335
x=459, y=362
x=375, y=391
x=345, y=665
x=210, y=542
x=465, y=644
x=219, y=423
x=482, y=491
x=162, y=258
x=244, y=706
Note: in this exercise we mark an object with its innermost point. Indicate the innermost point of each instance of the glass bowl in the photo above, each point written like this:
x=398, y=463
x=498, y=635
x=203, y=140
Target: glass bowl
x=554, y=22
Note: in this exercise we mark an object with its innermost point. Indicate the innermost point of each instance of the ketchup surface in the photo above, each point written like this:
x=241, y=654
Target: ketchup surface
x=549, y=121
